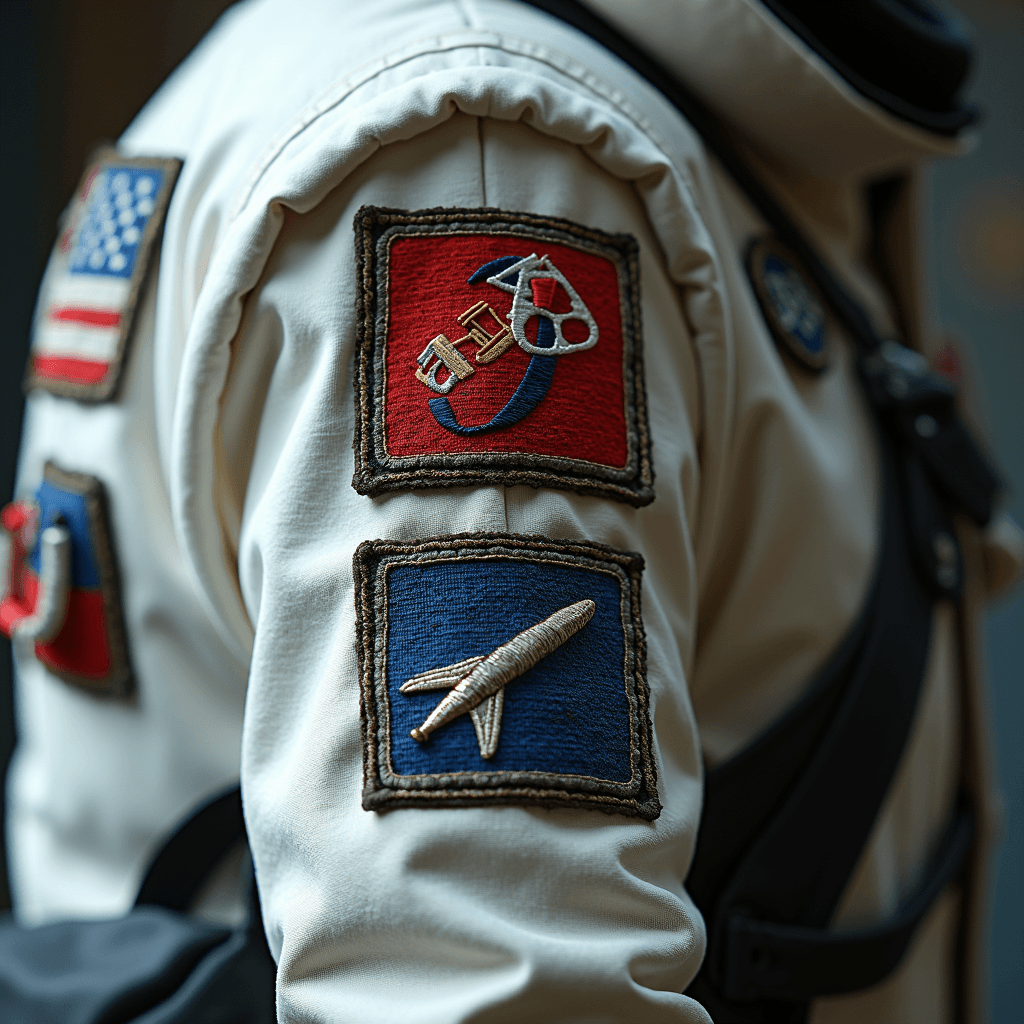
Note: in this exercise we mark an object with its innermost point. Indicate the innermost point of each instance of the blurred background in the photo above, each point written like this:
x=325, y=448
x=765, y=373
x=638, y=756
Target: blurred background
x=75, y=72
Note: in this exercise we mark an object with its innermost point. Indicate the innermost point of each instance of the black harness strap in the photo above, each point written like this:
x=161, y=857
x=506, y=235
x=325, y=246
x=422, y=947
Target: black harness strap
x=786, y=820
x=841, y=788
x=776, y=902
x=790, y=962
x=192, y=851
x=751, y=785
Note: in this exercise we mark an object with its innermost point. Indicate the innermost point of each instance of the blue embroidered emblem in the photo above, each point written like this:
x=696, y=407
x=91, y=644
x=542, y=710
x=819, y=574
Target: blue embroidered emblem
x=793, y=312
x=503, y=669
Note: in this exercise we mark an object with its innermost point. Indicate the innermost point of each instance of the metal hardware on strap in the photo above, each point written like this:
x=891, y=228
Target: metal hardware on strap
x=920, y=405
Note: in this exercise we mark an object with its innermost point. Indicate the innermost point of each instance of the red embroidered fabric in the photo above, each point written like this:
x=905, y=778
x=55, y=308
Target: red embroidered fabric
x=81, y=647
x=583, y=414
x=79, y=371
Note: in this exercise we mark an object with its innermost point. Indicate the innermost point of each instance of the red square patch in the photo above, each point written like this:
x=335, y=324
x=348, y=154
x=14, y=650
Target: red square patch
x=498, y=348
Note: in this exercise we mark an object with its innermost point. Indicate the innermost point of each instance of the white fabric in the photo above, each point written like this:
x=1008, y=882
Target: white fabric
x=228, y=460
x=766, y=81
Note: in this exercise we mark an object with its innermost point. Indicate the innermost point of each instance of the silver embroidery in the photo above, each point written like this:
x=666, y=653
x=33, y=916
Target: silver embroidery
x=443, y=353
x=477, y=685
x=523, y=307
x=54, y=588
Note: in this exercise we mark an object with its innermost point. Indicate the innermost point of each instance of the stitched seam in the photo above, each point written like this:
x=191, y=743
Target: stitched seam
x=503, y=491
x=483, y=170
x=424, y=47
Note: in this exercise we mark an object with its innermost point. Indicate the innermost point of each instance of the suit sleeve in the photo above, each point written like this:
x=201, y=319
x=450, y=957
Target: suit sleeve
x=425, y=879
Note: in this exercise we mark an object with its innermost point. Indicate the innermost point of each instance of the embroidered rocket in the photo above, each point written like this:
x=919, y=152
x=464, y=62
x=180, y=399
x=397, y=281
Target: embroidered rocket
x=498, y=347
x=62, y=593
x=478, y=684
x=93, y=282
x=540, y=648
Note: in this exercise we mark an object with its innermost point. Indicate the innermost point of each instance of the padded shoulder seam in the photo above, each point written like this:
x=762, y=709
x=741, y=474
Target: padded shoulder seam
x=484, y=42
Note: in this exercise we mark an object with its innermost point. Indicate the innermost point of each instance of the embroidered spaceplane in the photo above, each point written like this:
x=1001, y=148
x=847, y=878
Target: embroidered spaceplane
x=478, y=684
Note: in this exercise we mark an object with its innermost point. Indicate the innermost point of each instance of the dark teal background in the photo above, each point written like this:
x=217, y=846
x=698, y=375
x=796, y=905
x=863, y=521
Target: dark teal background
x=975, y=266
x=568, y=714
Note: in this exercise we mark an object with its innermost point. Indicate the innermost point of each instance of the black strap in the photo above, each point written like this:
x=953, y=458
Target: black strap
x=236, y=981
x=787, y=962
x=785, y=820
x=845, y=781
x=741, y=794
x=797, y=864
x=192, y=851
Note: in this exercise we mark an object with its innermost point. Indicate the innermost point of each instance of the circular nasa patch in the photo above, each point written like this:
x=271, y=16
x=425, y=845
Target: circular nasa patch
x=789, y=302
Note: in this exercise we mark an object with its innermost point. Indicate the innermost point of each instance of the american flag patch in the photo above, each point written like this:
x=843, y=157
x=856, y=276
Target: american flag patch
x=95, y=276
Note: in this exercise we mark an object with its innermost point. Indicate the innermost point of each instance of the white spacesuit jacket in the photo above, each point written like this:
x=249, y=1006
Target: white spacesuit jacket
x=228, y=461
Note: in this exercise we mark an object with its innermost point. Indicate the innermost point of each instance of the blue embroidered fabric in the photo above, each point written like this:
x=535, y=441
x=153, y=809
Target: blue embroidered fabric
x=495, y=267
x=532, y=388
x=70, y=509
x=121, y=202
x=796, y=310
x=569, y=714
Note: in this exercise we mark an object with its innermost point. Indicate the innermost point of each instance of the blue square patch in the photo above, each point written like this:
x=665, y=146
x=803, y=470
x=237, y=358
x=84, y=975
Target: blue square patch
x=500, y=669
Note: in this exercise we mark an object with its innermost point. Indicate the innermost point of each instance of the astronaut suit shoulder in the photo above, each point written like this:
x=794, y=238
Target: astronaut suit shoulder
x=468, y=496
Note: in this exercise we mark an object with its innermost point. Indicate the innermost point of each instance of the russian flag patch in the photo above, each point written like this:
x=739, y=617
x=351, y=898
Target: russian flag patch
x=95, y=276
x=498, y=348
x=63, y=594
x=503, y=669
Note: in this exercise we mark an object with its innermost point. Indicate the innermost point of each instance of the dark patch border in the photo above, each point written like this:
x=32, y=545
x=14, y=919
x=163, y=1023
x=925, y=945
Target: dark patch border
x=385, y=790
x=376, y=472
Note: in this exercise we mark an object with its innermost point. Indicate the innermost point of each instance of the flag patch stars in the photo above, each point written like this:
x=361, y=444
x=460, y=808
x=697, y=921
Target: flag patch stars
x=501, y=669
x=62, y=593
x=499, y=348
x=95, y=275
